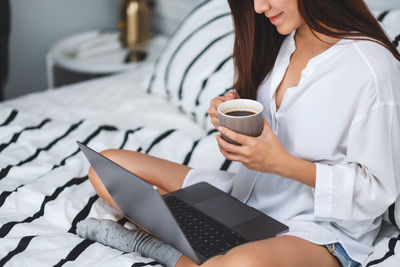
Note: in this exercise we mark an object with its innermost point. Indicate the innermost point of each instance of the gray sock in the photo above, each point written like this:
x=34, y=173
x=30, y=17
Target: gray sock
x=114, y=235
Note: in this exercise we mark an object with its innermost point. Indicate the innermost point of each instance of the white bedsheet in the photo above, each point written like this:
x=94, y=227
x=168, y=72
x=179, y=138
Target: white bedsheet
x=120, y=99
x=44, y=190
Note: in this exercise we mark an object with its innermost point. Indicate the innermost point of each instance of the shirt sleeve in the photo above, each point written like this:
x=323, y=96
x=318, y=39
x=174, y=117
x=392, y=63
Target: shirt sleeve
x=369, y=183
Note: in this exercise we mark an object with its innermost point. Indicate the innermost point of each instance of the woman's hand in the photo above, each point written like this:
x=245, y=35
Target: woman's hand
x=265, y=153
x=215, y=102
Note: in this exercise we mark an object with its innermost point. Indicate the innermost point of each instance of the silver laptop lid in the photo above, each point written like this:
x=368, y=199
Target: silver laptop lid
x=145, y=206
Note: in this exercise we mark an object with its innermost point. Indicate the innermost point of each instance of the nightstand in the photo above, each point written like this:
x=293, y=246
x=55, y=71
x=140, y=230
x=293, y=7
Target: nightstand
x=93, y=54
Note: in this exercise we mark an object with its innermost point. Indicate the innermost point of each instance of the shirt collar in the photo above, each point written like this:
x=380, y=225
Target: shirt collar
x=289, y=44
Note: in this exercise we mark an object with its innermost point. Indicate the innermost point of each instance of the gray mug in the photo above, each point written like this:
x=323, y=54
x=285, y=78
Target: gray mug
x=242, y=116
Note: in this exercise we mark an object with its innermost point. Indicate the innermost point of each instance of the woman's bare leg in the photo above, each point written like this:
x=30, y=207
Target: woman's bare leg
x=285, y=251
x=282, y=251
x=168, y=176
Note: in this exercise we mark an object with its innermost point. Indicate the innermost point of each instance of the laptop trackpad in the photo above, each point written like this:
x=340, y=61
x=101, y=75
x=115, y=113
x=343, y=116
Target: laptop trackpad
x=227, y=210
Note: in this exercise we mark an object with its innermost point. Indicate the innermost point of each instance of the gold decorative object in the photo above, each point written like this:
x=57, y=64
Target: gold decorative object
x=135, y=28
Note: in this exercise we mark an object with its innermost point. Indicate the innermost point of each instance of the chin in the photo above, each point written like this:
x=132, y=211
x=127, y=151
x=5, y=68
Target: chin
x=284, y=30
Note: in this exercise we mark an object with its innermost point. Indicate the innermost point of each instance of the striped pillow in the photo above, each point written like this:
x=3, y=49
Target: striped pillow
x=196, y=64
x=391, y=22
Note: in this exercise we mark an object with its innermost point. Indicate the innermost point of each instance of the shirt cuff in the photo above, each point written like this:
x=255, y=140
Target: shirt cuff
x=323, y=196
x=334, y=192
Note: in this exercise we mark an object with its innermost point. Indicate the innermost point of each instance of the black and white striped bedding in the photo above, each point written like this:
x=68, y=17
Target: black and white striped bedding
x=43, y=176
x=196, y=64
x=44, y=190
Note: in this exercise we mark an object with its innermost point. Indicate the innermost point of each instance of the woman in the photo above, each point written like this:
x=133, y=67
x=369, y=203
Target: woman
x=325, y=163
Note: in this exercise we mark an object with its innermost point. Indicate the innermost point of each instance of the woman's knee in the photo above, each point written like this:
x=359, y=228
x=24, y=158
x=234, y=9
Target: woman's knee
x=98, y=185
x=94, y=178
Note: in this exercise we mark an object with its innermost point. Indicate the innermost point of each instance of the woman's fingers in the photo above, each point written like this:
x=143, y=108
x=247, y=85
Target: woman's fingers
x=225, y=145
x=228, y=149
x=257, y=153
x=234, y=136
x=215, y=102
x=213, y=110
x=230, y=95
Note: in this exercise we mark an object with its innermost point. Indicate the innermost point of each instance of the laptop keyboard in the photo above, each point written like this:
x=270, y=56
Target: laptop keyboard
x=207, y=236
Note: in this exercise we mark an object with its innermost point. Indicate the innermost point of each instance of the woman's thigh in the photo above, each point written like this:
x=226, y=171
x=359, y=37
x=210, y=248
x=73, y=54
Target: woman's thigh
x=166, y=175
x=282, y=251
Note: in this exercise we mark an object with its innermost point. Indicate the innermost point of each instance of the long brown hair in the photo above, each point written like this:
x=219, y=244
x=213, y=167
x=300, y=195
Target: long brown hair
x=257, y=42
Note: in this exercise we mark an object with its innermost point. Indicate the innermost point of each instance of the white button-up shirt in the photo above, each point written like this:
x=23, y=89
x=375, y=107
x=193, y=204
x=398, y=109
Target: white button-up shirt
x=344, y=116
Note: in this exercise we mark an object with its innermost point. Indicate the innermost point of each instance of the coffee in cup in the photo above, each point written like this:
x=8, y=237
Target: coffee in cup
x=242, y=116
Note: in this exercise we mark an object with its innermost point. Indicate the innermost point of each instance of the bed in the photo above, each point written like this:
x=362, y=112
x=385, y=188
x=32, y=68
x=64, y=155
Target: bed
x=157, y=108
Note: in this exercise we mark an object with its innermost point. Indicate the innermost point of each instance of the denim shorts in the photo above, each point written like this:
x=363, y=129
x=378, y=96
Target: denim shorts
x=340, y=254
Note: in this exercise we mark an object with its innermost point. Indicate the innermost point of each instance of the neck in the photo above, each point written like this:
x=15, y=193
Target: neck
x=305, y=35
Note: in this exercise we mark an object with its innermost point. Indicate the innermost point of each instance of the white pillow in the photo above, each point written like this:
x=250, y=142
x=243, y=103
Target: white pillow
x=390, y=20
x=391, y=23
x=196, y=64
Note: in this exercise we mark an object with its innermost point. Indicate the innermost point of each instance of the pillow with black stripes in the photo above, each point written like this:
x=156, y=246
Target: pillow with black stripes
x=391, y=23
x=196, y=64
x=390, y=20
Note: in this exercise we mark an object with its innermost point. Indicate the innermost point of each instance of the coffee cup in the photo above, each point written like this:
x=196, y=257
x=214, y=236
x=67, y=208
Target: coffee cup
x=243, y=116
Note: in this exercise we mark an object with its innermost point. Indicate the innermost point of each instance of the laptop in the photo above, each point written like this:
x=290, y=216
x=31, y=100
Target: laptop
x=200, y=221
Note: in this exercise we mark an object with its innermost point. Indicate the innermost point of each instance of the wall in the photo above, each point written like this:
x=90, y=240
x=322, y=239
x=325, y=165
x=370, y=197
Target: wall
x=168, y=13
x=383, y=4
x=37, y=24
